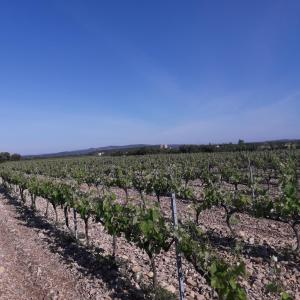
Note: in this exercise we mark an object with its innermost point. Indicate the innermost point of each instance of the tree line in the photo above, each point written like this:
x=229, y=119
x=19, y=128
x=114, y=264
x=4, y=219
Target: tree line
x=241, y=145
x=6, y=156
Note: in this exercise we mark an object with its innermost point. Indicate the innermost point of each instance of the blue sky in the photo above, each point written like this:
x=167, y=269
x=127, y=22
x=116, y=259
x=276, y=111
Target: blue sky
x=77, y=74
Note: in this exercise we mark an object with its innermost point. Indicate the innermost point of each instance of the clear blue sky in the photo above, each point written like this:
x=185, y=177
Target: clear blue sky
x=77, y=74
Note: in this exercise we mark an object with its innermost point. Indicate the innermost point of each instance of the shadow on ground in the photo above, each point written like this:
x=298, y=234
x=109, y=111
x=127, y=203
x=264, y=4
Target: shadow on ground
x=90, y=263
x=263, y=252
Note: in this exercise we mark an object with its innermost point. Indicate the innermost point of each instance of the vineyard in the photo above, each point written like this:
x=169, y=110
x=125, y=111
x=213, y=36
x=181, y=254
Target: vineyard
x=188, y=226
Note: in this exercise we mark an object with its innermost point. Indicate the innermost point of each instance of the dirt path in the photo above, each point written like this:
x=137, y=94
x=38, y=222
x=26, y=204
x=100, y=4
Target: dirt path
x=28, y=269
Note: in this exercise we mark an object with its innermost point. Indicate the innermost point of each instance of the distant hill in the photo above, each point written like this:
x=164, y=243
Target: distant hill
x=88, y=151
x=273, y=144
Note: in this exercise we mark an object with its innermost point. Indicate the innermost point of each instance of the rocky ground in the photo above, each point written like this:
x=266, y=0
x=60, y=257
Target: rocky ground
x=41, y=260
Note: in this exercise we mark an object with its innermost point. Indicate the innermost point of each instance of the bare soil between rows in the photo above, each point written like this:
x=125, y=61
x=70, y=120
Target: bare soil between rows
x=39, y=260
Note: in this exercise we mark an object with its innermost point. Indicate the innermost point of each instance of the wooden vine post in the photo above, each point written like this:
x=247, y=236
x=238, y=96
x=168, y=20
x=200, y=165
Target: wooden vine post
x=251, y=179
x=178, y=254
x=75, y=223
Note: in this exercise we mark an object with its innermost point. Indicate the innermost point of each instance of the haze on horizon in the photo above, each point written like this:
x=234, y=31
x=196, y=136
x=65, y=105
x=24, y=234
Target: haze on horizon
x=80, y=74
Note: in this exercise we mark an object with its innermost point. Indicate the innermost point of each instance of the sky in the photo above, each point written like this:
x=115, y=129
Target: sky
x=76, y=74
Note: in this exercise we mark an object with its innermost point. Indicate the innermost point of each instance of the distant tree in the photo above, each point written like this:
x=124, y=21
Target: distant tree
x=241, y=145
x=4, y=156
x=15, y=156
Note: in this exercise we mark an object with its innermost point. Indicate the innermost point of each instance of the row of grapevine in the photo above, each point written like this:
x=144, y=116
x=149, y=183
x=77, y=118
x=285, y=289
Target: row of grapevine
x=262, y=185
x=143, y=226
